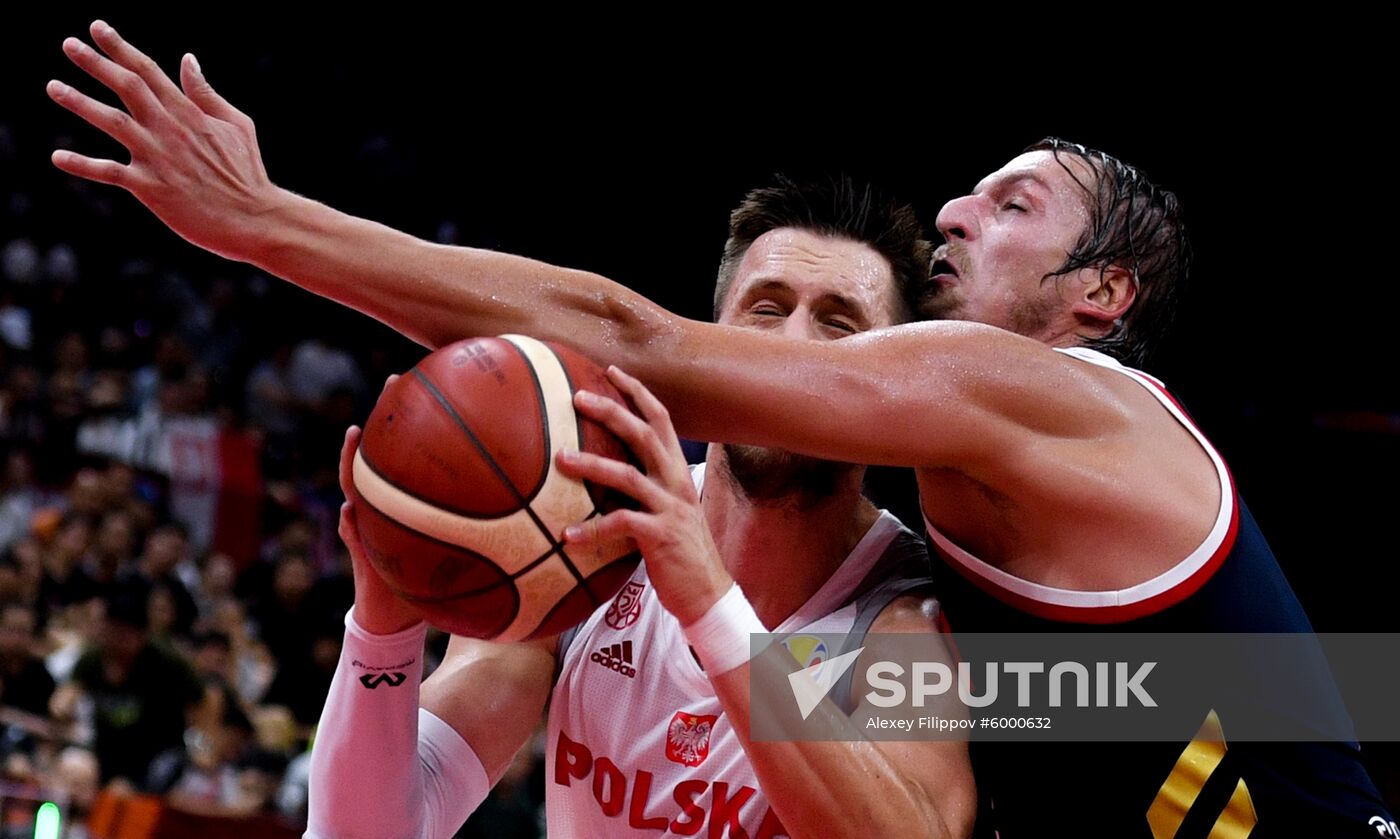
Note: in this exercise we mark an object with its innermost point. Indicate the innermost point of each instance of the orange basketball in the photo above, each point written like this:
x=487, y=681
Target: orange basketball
x=462, y=508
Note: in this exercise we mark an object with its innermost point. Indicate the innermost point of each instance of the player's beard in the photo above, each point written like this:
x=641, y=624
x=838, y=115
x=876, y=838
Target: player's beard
x=938, y=303
x=1027, y=317
x=1031, y=317
x=776, y=477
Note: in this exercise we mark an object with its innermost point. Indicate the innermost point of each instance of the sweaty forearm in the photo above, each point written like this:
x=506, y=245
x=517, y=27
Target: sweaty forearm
x=832, y=399
x=437, y=294
x=841, y=786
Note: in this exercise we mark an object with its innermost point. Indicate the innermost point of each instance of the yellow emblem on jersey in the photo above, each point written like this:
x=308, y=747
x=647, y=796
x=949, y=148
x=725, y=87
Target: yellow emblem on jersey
x=1188, y=777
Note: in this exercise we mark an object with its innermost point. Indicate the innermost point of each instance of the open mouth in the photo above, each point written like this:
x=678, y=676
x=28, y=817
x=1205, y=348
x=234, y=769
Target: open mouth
x=943, y=271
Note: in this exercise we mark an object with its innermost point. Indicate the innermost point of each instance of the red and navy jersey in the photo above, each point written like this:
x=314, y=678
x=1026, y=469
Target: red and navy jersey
x=1208, y=787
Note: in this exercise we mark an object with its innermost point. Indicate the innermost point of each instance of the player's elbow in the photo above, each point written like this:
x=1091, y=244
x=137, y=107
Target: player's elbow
x=631, y=321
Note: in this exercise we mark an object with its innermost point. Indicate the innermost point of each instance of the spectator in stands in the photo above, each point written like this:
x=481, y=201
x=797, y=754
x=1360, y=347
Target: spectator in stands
x=167, y=550
x=24, y=682
x=140, y=694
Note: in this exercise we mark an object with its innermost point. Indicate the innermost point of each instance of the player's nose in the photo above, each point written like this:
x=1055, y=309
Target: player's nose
x=800, y=324
x=958, y=219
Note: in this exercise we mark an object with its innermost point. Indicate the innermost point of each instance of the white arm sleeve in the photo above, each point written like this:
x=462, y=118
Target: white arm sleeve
x=381, y=767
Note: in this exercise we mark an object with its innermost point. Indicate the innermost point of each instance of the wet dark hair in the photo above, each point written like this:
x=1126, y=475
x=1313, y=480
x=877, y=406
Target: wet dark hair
x=837, y=206
x=1134, y=224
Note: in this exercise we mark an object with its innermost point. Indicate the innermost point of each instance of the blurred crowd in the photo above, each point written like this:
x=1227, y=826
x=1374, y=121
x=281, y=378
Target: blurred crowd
x=172, y=589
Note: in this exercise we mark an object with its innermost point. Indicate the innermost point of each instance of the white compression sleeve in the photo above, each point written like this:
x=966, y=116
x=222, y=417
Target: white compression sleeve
x=381, y=766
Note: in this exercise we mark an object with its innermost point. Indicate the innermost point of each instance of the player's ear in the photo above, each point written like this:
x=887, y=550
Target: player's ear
x=1104, y=294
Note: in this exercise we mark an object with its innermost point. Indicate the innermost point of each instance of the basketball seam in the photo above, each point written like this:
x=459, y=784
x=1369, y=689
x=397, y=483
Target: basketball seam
x=500, y=473
x=471, y=435
x=508, y=578
x=578, y=424
x=505, y=578
x=535, y=563
x=586, y=590
x=412, y=493
x=544, y=413
x=573, y=568
x=570, y=562
x=511, y=581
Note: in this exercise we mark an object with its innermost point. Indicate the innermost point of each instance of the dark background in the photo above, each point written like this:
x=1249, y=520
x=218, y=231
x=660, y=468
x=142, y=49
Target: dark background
x=620, y=145
x=623, y=153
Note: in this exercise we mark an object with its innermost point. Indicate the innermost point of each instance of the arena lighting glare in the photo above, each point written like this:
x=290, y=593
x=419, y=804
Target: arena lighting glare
x=47, y=822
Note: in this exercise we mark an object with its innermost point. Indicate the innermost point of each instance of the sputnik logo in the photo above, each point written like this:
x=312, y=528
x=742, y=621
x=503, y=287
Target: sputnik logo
x=810, y=685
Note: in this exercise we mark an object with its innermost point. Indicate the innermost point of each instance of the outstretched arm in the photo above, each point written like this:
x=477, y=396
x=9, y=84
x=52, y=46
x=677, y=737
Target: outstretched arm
x=850, y=787
x=196, y=164
x=933, y=395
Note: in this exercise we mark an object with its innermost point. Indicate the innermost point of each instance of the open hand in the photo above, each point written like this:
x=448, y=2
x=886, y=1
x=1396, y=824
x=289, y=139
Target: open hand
x=377, y=609
x=195, y=161
x=669, y=529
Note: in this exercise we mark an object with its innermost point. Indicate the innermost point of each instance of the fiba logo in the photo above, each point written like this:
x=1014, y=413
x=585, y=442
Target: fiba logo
x=625, y=608
x=1385, y=828
x=809, y=650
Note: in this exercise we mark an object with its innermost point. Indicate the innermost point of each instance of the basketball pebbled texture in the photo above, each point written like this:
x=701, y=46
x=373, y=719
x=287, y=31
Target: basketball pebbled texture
x=463, y=509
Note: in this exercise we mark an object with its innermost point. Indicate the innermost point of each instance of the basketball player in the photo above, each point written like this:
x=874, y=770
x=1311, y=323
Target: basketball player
x=641, y=735
x=1062, y=488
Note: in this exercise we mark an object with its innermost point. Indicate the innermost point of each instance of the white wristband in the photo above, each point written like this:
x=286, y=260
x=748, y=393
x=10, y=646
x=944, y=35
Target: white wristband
x=721, y=636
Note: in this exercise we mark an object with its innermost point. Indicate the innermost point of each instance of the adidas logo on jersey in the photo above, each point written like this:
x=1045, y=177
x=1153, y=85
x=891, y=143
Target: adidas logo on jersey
x=617, y=657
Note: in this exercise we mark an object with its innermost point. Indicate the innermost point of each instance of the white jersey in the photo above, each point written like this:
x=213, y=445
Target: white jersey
x=639, y=745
